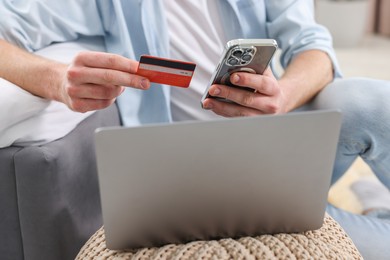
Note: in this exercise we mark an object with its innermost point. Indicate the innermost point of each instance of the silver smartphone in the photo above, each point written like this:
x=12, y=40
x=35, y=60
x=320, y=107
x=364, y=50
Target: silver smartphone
x=242, y=55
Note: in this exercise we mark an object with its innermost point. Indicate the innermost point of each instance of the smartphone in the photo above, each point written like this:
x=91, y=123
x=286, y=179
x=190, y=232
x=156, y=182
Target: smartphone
x=242, y=55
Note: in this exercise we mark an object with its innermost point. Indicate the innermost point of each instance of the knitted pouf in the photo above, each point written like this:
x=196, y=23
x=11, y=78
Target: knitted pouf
x=328, y=242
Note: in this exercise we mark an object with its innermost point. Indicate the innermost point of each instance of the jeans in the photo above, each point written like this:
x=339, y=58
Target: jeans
x=365, y=132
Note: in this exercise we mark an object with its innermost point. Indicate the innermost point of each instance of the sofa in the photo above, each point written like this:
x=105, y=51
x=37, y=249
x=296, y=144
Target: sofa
x=49, y=195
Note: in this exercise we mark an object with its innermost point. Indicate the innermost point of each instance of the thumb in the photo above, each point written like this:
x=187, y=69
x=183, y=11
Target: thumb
x=268, y=73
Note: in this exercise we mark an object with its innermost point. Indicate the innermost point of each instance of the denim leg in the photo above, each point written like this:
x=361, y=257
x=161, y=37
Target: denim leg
x=365, y=130
x=370, y=235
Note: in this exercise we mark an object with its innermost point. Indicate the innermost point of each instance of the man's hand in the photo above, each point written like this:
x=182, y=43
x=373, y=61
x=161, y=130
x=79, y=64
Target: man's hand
x=94, y=80
x=267, y=96
x=307, y=74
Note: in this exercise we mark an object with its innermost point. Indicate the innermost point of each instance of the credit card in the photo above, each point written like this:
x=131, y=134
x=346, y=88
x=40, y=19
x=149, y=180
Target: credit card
x=166, y=71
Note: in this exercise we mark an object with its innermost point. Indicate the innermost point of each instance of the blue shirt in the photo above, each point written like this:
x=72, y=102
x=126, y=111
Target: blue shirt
x=134, y=27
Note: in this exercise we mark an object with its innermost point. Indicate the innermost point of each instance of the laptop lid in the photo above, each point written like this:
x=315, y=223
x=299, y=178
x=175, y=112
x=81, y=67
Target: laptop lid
x=187, y=181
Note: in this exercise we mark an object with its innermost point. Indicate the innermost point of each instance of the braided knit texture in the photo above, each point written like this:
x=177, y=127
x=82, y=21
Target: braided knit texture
x=328, y=242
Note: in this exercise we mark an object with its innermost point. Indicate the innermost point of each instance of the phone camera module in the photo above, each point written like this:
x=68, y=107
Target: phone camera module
x=241, y=56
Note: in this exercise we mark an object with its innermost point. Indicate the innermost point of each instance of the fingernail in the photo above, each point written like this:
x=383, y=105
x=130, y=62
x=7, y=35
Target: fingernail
x=235, y=78
x=216, y=91
x=208, y=105
x=144, y=84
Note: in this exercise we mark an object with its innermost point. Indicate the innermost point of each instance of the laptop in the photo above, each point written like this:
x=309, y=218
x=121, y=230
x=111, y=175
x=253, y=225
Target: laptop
x=180, y=182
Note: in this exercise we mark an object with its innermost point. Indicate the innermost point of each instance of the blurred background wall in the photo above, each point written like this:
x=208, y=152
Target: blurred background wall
x=349, y=20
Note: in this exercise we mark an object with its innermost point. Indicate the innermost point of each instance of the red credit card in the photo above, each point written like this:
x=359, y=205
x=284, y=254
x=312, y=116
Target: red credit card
x=166, y=71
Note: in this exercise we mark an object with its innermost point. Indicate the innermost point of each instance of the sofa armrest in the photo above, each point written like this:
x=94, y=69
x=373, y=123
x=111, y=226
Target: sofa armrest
x=50, y=194
x=10, y=239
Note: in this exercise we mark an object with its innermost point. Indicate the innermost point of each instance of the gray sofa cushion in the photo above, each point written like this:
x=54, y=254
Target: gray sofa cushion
x=49, y=197
x=10, y=238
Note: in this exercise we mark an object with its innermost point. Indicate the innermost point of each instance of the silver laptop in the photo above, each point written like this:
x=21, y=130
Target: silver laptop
x=188, y=181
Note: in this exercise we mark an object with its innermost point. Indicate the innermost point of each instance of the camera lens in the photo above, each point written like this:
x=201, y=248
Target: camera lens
x=232, y=61
x=237, y=53
x=246, y=57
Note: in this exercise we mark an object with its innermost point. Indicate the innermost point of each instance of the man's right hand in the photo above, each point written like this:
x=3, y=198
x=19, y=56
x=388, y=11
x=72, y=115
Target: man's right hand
x=95, y=79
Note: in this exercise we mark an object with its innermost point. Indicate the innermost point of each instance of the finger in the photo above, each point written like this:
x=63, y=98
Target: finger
x=105, y=60
x=263, y=104
x=261, y=83
x=93, y=91
x=106, y=77
x=239, y=96
x=268, y=72
x=229, y=109
x=84, y=104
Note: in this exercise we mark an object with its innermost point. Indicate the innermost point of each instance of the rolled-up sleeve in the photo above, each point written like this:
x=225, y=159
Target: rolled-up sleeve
x=34, y=24
x=292, y=24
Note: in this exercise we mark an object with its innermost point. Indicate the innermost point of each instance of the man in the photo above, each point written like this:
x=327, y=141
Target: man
x=196, y=31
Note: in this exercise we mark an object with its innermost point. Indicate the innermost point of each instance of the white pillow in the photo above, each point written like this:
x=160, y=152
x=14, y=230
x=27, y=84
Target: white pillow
x=26, y=119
